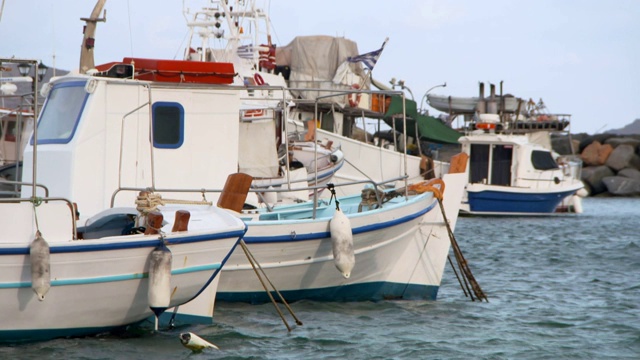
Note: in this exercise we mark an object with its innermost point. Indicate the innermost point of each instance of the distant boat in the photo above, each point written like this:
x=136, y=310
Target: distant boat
x=511, y=172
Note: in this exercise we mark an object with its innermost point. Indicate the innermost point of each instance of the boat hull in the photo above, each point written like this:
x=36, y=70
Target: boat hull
x=102, y=284
x=498, y=202
x=400, y=253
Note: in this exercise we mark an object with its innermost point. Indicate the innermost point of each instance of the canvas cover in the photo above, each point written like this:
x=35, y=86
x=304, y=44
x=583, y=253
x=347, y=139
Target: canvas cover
x=319, y=62
x=258, y=155
x=429, y=128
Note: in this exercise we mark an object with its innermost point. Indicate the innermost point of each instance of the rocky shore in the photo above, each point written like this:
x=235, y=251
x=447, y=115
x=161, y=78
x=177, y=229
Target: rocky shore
x=611, y=163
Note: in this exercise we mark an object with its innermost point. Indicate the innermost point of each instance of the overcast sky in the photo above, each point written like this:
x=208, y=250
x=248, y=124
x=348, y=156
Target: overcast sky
x=581, y=57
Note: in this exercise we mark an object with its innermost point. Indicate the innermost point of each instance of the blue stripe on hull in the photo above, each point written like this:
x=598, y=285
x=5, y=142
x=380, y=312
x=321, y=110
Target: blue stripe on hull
x=509, y=202
x=375, y=291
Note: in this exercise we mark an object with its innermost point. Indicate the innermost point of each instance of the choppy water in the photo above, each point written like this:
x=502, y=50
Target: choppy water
x=558, y=288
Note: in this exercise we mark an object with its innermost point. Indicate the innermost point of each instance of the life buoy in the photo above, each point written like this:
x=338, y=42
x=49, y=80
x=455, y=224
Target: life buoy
x=354, y=98
x=486, y=126
x=258, y=79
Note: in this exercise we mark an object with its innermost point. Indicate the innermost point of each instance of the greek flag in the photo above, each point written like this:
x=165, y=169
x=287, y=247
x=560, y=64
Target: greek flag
x=369, y=59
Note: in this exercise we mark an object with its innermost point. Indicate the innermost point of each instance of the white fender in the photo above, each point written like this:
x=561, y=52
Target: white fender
x=577, y=204
x=159, y=293
x=39, y=255
x=195, y=343
x=342, y=242
x=582, y=192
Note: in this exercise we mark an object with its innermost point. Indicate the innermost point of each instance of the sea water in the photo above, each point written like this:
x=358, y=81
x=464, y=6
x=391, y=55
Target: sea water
x=559, y=287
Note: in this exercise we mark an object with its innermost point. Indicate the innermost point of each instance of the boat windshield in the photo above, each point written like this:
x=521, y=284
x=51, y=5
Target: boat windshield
x=61, y=113
x=543, y=160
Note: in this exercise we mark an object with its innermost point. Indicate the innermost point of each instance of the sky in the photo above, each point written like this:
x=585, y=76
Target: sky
x=581, y=57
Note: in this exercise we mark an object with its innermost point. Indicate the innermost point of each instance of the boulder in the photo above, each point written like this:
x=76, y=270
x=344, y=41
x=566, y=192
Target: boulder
x=601, y=138
x=622, y=186
x=596, y=154
x=604, y=152
x=617, y=141
x=593, y=176
x=623, y=156
x=589, y=155
x=630, y=173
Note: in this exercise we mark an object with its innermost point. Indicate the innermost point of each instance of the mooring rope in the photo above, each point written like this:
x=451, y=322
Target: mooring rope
x=465, y=271
x=255, y=265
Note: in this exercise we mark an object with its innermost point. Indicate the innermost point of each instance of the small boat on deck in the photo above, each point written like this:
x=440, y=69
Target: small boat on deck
x=466, y=105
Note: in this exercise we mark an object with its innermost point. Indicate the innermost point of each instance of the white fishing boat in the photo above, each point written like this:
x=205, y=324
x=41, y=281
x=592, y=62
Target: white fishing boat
x=239, y=33
x=81, y=251
x=399, y=246
x=291, y=241
x=314, y=71
x=512, y=170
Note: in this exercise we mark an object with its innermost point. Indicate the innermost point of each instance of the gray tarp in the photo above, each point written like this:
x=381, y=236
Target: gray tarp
x=314, y=61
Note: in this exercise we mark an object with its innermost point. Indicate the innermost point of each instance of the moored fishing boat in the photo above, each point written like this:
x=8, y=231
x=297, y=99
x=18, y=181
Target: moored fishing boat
x=400, y=245
x=513, y=170
x=72, y=263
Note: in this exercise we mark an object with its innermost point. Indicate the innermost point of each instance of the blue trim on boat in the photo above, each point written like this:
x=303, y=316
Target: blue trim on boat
x=107, y=279
x=86, y=246
x=492, y=201
x=374, y=291
x=326, y=234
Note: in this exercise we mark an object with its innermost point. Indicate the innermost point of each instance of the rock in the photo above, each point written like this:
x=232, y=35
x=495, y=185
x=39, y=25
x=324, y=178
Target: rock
x=617, y=141
x=593, y=176
x=603, y=153
x=622, y=186
x=596, y=154
x=589, y=155
x=630, y=173
x=601, y=138
x=622, y=157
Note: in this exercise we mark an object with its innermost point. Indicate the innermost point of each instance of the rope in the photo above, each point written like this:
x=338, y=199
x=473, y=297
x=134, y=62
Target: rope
x=465, y=271
x=255, y=265
x=36, y=201
x=147, y=202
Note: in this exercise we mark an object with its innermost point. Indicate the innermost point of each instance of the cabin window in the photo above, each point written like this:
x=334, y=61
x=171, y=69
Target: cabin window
x=501, y=168
x=168, y=125
x=542, y=160
x=479, y=163
x=61, y=113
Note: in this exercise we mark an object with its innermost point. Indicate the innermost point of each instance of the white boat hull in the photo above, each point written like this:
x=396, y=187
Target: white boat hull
x=99, y=284
x=400, y=253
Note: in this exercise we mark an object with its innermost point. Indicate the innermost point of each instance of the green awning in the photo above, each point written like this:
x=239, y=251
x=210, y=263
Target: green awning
x=429, y=128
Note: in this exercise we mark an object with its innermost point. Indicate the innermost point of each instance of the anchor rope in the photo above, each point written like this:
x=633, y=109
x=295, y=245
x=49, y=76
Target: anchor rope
x=463, y=265
x=255, y=265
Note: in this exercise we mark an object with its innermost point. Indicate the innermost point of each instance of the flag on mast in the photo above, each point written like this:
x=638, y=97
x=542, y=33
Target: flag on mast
x=369, y=59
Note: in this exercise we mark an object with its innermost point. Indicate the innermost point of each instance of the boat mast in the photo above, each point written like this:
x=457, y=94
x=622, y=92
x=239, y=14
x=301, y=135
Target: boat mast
x=88, y=41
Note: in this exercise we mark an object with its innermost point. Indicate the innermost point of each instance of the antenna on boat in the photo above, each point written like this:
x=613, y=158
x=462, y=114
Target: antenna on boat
x=88, y=41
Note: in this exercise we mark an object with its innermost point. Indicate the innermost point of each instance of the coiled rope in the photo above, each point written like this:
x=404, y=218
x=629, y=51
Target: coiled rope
x=148, y=201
